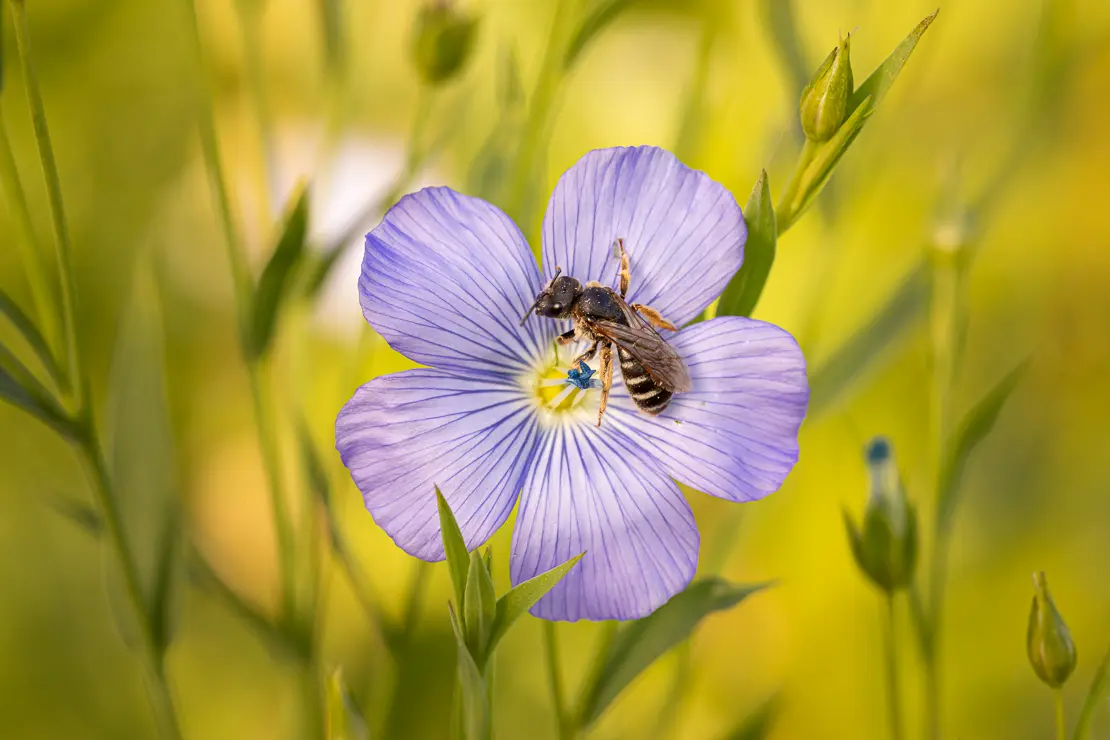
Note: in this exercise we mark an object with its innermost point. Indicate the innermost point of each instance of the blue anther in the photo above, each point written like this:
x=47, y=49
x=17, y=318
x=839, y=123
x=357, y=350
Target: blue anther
x=580, y=377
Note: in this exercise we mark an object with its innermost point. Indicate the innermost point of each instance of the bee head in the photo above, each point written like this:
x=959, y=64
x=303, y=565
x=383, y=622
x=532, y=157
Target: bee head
x=557, y=299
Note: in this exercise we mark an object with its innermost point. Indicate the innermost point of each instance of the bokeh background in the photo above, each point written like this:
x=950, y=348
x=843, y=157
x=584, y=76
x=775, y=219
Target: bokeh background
x=982, y=117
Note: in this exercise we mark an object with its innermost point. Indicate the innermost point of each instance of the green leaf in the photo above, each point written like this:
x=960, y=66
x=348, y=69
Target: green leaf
x=454, y=547
x=31, y=335
x=837, y=374
x=472, y=686
x=604, y=13
x=879, y=82
x=742, y=292
x=641, y=643
x=481, y=607
x=79, y=513
x=1096, y=695
x=19, y=387
x=974, y=429
x=141, y=462
x=861, y=106
x=345, y=720
x=524, y=596
x=273, y=285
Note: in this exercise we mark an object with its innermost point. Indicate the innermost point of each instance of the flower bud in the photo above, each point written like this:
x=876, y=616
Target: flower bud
x=441, y=41
x=824, y=104
x=886, y=548
x=1048, y=642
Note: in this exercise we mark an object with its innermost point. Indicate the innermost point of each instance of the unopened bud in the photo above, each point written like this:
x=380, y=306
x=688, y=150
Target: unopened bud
x=824, y=104
x=441, y=41
x=1048, y=642
x=885, y=547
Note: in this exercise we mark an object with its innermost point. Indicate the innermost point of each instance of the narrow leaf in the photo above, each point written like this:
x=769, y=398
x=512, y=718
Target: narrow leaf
x=742, y=292
x=865, y=99
x=273, y=285
x=475, y=708
x=879, y=82
x=454, y=546
x=524, y=596
x=31, y=335
x=83, y=515
x=1096, y=695
x=861, y=351
x=974, y=429
x=641, y=643
x=19, y=387
x=510, y=88
x=335, y=46
x=604, y=13
x=345, y=720
x=481, y=607
x=141, y=458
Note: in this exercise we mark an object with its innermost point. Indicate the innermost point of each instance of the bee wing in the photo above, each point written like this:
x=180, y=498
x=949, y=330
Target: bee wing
x=641, y=340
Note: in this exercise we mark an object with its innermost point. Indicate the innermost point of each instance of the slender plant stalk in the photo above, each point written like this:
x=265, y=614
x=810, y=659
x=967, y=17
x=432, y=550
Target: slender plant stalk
x=28, y=243
x=243, y=289
x=62, y=244
x=555, y=679
x=894, y=703
x=250, y=27
x=414, y=601
x=537, y=126
x=1061, y=722
x=161, y=699
x=787, y=203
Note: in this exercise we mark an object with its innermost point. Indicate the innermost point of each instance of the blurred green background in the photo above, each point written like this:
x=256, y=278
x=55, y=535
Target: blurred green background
x=998, y=109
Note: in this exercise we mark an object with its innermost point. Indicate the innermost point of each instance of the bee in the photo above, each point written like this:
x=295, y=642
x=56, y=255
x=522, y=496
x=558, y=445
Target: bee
x=652, y=370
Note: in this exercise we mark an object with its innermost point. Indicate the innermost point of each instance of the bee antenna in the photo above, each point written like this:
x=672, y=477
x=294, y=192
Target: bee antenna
x=558, y=271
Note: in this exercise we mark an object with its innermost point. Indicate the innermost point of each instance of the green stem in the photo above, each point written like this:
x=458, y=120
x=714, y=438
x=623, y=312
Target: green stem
x=28, y=243
x=555, y=679
x=243, y=290
x=62, y=245
x=536, y=128
x=1061, y=722
x=788, y=201
x=161, y=699
x=930, y=681
x=250, y=25
x=895, y=710
x=414, y=601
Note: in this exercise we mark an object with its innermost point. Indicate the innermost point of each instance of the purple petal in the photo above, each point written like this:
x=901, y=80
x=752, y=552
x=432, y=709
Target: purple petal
x=591, y=490
x=684, y=233
x=403, y=434
x=735, y=435
x=446, y=279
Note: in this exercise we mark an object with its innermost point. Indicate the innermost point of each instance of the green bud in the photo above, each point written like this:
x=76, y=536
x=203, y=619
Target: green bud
x=442, y=40
x=885, y=547
x=824, y=104
x=1048, y=642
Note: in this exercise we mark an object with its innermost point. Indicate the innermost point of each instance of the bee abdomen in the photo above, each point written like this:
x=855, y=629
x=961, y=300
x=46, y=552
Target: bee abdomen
x=648, y=396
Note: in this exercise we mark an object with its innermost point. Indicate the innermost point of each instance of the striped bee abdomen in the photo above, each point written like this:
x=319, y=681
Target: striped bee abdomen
x=649, y=397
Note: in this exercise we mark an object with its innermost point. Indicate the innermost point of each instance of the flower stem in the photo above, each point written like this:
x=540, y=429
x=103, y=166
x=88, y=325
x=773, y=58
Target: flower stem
x=555, y=680
x=62, y=244
x=28, y=243
x=250, y=25
x=161, y=699
x=1061, y=722
x=895, y=709
x=787, y=202
x=243, y=290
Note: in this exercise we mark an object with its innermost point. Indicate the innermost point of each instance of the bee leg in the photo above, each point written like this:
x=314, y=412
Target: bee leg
x=654, y=317
x=565, y=338
x=586, y=356
x=624, y=277
x=606, y=378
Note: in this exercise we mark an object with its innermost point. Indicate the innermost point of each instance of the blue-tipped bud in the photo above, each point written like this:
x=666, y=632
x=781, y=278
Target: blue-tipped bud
x=1048, y=642
x=885, y=546
x=824, y=103
x=442, y=40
